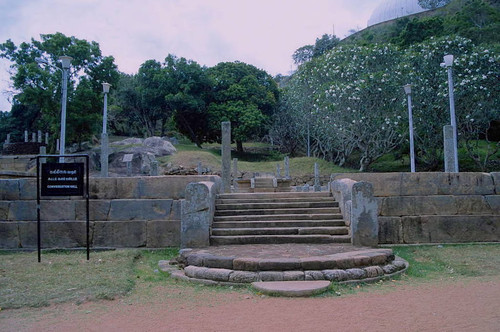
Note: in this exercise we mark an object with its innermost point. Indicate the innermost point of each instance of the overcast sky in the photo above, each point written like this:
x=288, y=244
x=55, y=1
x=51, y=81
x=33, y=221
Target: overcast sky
x=264, y=33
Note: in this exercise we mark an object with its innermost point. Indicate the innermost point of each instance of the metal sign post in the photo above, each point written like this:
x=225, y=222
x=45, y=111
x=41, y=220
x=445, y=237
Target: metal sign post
x=62, y=179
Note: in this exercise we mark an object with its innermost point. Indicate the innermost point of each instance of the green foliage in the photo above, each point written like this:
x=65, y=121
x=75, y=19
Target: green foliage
x=351, y=104
x=308, y=52
x=189, y=96
x=36, y=105
x=245, y=96
x=432, y=4
x=416, y=31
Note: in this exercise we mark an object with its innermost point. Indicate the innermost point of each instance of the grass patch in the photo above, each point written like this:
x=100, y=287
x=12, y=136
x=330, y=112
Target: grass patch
x=66, y=276
x=435, y=263
x=456, y=261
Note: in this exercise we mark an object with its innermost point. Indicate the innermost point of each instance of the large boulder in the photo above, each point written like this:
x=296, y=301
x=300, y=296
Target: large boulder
x=144, y=152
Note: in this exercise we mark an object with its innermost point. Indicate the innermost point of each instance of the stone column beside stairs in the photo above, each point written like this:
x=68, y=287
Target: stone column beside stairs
x=197, y=214
x=359, y=209
x=226, y=156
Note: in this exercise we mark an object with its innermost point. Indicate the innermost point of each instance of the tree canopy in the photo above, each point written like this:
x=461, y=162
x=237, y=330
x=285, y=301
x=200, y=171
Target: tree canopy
x=37, y=98
x=244, y=95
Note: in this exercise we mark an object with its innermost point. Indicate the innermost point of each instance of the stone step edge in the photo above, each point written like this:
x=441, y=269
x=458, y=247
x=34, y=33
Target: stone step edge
x=345, y=260
x=299, y=288
x=341, y=277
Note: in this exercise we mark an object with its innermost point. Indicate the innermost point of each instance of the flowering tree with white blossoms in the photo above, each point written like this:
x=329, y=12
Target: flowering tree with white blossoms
x=352, y=100
x=476, y=85
x=355, y=102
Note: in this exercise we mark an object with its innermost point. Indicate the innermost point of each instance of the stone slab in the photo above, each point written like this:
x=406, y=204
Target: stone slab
x=163, y=233
x=121, y=234
x=292, y=288
x=98, y=209
x=143, y=209
x=427, y=183
x=451, y=229
x=54, y=234
x=9, y=235
x=390, y=230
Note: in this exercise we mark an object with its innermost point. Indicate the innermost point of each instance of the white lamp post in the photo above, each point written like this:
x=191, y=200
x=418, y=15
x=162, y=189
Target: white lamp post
x=448, y=64
x=104, y=137
x=66, y=62
x=407, y=88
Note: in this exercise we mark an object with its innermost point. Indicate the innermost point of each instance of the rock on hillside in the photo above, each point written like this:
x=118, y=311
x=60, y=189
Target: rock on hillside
x=144, y=152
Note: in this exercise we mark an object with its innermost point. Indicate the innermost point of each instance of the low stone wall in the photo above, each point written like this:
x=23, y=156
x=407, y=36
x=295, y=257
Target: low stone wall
x=17, y=163
x=435, y=207
x=124, y=212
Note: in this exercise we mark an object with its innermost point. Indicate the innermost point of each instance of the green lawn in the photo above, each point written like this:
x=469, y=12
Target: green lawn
x=66, y=276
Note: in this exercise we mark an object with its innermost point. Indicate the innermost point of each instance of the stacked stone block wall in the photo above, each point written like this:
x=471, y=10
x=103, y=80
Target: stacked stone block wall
x=124, y=212
x=435, y=207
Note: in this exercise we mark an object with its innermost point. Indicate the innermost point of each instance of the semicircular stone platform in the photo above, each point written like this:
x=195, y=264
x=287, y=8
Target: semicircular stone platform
x=243, y=264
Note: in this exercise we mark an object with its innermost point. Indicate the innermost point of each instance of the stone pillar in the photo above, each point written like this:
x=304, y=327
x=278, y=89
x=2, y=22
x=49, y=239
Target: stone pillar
x=104, y=155
x=226, y=156
x=33, y=137
x=129, y=168
x=199, y=168
x=154, y=168
x=8, y=139
x=25, y=136
x=46, y=138
x=39, y=136
x=364, y=211
x=197, y=213
x=278, y=170
x=449, y=156
x=287, y=167
x=317, y=184
x=43, y=151
x=235, y=168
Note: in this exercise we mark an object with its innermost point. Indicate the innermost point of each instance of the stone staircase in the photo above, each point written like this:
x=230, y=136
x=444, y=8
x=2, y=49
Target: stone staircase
x=274, y=218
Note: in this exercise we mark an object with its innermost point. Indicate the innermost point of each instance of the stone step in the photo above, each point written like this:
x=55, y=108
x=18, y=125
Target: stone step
x=277, y=205
x=292, y=288
x=278, y=223
x=280, y=231
x=273, y=195
x=275, y=200
x=277, y=239
x=277, y=211
x=275, y=217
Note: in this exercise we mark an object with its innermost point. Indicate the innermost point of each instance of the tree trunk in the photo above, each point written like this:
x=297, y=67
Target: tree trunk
x=239, y=146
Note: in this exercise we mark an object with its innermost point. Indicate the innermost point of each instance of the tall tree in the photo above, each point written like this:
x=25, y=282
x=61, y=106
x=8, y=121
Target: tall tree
x=244, y=95
x=36, y=103
x=190, y=92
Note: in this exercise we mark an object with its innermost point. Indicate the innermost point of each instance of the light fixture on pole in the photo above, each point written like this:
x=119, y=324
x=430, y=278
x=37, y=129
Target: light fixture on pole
x=66, y=62
x=448, y=64
x=104, y=136
x=407, y=88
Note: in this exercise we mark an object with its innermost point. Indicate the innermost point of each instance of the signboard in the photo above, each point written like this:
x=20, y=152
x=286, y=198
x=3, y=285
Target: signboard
x=62, y=179
x=128, y=158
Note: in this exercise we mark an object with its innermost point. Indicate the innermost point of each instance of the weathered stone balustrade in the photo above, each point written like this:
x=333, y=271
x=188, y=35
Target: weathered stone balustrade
x=359, y=209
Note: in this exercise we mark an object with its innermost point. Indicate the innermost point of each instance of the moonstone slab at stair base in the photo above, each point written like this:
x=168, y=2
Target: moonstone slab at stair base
x=292, y=288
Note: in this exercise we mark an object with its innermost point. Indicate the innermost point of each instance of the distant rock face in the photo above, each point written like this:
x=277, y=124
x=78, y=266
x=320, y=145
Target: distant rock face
x=144, y=152
x=159, y=146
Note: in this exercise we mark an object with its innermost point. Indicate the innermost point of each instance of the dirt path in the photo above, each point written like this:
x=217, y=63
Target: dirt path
x=466, y=305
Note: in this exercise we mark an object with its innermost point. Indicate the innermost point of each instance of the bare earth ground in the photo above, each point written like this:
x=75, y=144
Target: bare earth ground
x=449, y=305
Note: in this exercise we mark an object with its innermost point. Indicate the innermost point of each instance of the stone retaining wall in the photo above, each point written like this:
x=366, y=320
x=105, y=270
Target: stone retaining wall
x=435, y=207
x=124, y=212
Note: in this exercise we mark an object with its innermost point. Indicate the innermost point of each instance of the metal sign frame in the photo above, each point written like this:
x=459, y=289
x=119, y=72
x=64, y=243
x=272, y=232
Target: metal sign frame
x=71, y=191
